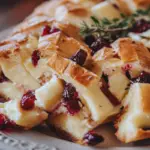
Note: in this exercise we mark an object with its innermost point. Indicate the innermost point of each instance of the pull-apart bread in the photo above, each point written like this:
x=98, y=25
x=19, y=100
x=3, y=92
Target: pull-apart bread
x=50, y=74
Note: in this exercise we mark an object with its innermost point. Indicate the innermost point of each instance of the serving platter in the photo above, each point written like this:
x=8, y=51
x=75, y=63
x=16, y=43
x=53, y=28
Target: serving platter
x=41, y=138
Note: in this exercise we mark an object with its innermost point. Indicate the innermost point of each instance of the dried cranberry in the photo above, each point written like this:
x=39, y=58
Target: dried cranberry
x=98, y=44
x=72, y=105
x=92, y=138
x=115, y=6
x=35, y=57
x=54, y=30
x=2, y=99
x=79, y=57
x=5, y=123
x=3, y=78
x=141, y=26
x=105, y=89
x=70, y=99
x=47, y=30
x=144, y=77
x=127, y=67
x=89, y=40
x=27, y=101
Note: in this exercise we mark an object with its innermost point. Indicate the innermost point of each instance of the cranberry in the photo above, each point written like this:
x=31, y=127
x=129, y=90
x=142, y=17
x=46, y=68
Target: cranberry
x=3, y=78
x=144, y=77
x=115, y=6
x=98, y=44
x=127, y=67
x=27, y=101
x=72, y=105
x=89, y=40
x=79, y=57
x=92, y=138
x=141, y=26
x=35, y=57
x=47, y=30
x=5, y=123
x=70, y=99
x=54, y=30
x=2, y=99
x=107, y=93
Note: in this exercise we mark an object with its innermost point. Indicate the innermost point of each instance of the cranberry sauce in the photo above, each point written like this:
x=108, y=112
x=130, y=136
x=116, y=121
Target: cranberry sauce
x=70, y=99
x=27, y=101
x=96, y=44
x=5, y=123
x=144, y=77
x=106, y=91
x=47, y=30
x=35, y=57
x=79, y=57
x=141, y=26
x=3, y=78
x=92, y=138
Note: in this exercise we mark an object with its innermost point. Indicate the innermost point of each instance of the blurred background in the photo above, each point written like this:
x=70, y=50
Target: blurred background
x=14, y=11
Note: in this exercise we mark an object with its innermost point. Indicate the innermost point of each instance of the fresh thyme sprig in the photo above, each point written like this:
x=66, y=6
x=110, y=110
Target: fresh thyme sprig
x=113, y=29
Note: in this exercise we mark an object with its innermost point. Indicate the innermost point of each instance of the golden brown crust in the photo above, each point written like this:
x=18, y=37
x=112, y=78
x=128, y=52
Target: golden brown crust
x=69, y=68
x=62, y=44
x=32, y=24
x=80, y=74
x=69, y=30
x=103, y=54
x=130, y=51
x=7, y=48
x=142, y=3
x=58, y=63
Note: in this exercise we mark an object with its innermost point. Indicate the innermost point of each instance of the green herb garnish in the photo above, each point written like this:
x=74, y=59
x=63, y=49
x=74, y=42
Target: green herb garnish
x=110, y=30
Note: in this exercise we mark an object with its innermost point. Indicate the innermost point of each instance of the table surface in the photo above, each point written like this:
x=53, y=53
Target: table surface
x=11, y=14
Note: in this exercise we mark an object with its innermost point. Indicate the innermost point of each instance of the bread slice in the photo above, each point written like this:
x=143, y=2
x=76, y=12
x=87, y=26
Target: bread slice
x=23, y=118
x=138, y=57
x=130, y=6
x=134, y=123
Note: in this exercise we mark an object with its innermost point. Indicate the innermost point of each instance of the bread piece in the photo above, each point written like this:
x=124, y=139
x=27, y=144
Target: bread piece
x=134, y=122
x=86, y=83
x=10, y=91
x=21, y=117
x=50, y=94
x=130, y=6
x=62, y=44
x=141, y=37
x=101, y=10
x=75, y=127
x=139, y=54
x=104, y=53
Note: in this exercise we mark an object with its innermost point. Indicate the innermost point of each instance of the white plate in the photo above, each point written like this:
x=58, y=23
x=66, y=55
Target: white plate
x=43, y=139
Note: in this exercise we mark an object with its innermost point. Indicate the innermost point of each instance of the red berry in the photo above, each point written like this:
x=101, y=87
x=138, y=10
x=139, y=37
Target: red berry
x=141, y=26
x=70, y=99
x=79, y=57
x=46, y=30
x=92, y=138
x=2, y=99
x=27, y=101
x=144, y=77
x=3, y=78
x=35, y=57
x=98, y=44
x=5, y=123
